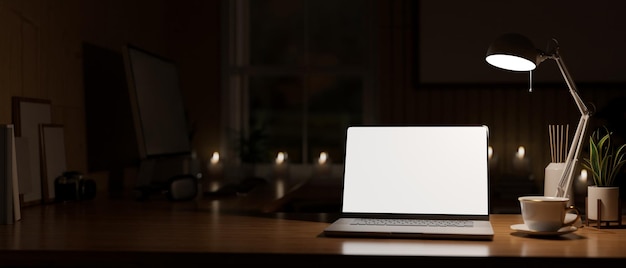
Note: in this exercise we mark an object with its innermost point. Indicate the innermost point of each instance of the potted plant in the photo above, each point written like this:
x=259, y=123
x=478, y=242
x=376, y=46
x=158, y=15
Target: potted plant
x=604, y=163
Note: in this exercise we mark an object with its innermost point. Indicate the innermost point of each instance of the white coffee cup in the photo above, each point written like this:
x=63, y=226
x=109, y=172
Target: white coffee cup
x=546, y=213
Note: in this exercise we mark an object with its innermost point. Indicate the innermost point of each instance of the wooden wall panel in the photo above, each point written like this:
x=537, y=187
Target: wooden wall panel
x=515, y=118
x=74, y=124
x=10, y=61
x=31, y=75
x=62, y=76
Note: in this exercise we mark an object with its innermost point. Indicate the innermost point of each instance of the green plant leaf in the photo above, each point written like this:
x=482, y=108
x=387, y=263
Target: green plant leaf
x=604, y=162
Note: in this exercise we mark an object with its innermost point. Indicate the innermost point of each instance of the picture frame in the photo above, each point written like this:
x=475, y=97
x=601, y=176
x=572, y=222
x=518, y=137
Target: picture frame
x=27, y=115
x=53, y=158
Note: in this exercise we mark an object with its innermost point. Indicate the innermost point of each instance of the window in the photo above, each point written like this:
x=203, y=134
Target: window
x=297, y=74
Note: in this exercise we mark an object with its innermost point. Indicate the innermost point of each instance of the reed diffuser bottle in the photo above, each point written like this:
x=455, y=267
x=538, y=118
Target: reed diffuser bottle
x=558, y=135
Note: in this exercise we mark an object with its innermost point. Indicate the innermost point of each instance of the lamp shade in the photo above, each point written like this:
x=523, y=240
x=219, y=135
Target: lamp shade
x=513, y=52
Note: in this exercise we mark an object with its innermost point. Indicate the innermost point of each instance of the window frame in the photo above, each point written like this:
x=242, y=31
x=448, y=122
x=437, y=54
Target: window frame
x=236, y=72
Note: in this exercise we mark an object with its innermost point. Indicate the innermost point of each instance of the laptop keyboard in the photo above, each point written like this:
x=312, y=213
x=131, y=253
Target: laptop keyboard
x=414, y=222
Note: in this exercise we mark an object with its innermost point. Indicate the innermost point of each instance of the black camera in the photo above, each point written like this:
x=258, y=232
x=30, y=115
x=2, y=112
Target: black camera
x=73, y=186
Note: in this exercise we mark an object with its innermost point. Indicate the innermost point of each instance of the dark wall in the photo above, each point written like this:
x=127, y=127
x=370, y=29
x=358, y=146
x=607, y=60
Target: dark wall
x=454, y=35
x=187, y=32
x=478, y=94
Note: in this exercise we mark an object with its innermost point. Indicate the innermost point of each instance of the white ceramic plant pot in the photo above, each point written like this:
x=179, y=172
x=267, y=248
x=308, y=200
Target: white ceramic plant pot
x=609, y=209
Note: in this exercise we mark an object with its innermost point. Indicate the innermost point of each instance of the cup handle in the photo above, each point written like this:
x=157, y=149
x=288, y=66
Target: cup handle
x=575, y=210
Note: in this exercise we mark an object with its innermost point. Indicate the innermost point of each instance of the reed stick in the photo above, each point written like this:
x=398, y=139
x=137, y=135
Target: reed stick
x=559, y=141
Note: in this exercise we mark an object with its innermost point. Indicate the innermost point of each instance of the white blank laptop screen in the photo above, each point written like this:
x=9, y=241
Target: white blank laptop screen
x=416, y=170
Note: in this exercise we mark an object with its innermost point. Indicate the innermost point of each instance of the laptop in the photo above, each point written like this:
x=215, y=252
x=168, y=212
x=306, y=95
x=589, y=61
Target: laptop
x=410, y=181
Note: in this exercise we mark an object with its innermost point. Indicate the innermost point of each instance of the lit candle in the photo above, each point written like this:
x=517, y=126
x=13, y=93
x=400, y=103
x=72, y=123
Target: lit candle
x=215, y=158
x=215, y=166
x=280, y=168
x=323, y=158
x=215, y=170
x=322, y=169
x=520, y=161
x=521, y=152
x=281, y=157
x=583, y=176
x=492, y=158
x=581, y=184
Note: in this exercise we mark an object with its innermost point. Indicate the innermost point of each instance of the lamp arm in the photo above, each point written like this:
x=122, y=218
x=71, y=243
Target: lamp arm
x=570, y=83
x=572, y=157
x=574, y=152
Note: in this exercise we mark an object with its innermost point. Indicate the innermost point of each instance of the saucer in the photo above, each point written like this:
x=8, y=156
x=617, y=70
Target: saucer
x=524, y=229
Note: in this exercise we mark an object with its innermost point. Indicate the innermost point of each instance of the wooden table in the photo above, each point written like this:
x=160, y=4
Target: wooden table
x=124, y=233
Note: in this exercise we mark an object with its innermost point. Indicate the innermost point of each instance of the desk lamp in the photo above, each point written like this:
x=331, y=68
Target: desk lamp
x=515, y=52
